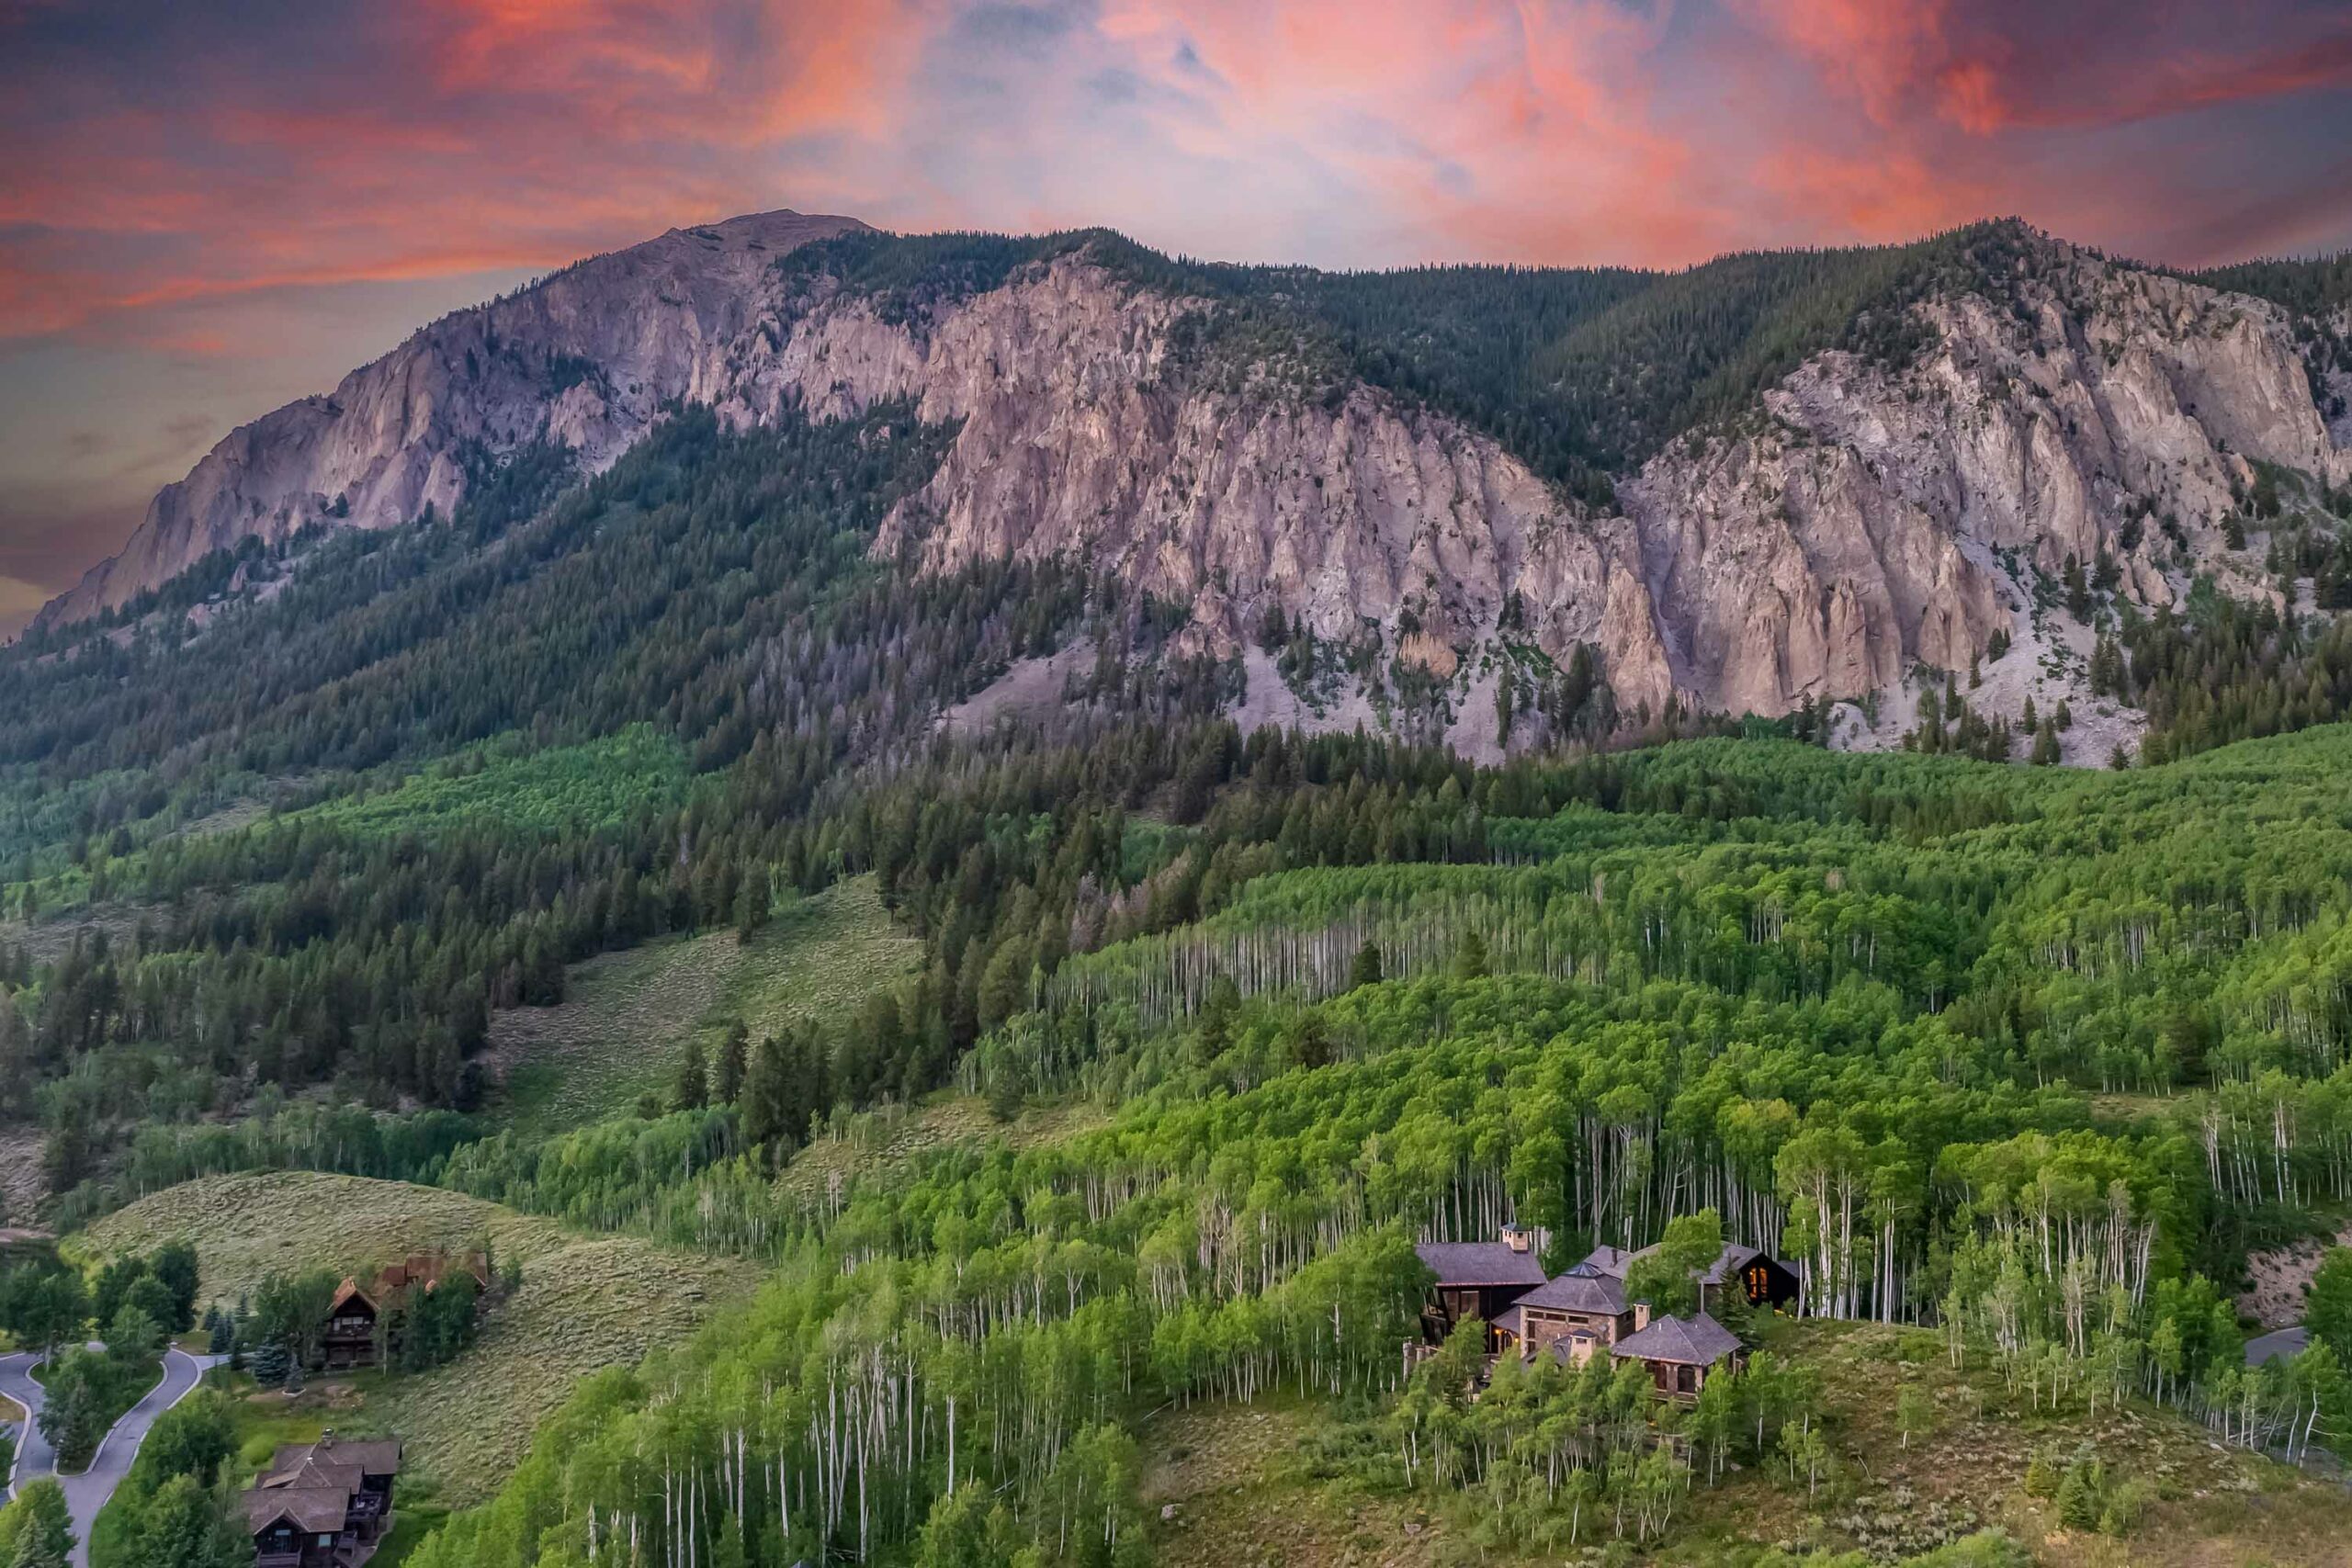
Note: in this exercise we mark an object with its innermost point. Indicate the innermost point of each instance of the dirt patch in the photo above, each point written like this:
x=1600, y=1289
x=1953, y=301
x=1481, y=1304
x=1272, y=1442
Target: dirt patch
x=1030, y=689
x=47, y=941
x=2280, y=1278
x=1268, y=700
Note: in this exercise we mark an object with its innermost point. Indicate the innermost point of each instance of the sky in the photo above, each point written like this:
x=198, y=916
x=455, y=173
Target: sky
x=206, y=210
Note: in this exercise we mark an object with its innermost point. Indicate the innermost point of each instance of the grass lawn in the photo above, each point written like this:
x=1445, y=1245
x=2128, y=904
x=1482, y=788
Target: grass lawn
x=626, y=1016
x=585, y=1302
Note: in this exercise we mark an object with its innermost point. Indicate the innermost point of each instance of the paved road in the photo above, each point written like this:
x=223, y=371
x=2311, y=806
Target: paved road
x=2288, y=1341
x=87, y=1492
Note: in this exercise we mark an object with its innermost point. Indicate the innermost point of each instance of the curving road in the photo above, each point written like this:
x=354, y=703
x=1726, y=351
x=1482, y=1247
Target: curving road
x=87, y=1492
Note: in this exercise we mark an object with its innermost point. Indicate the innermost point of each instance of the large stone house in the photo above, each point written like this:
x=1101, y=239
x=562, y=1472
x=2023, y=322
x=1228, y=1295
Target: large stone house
x=323, y=1504
x=1585, y=1311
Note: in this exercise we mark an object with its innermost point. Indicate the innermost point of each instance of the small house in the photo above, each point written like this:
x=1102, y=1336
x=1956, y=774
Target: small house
x=1680, y=1352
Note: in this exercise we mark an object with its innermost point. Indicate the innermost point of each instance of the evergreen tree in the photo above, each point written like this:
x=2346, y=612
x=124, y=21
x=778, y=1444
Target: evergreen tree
x=692, y=1090
x=733, y=1061
x=1469, y=961
x=36, y=1527
x=189, y=1524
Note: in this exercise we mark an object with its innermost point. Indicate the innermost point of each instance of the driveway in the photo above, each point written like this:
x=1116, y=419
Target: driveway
x=2291, y=1340
x=87, y=1492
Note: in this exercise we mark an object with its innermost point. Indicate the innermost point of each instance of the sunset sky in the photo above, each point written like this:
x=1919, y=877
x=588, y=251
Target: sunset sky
x=209, y=210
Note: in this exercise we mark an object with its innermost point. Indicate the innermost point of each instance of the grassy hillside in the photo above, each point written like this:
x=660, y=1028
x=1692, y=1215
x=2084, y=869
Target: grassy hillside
x=626, y=1016
x=585, y=1302
x=1285, y=1481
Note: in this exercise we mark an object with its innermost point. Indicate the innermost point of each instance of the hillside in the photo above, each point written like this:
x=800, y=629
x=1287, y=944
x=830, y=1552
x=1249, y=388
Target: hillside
x=1279, y=1485
x=586, y=1302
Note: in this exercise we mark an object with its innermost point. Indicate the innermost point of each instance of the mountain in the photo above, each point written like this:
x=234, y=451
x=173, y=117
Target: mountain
x=1769, y=482
x=587, y=356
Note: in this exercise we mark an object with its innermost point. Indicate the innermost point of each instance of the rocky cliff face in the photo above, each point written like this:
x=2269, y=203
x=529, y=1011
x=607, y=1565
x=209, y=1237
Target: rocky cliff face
x=1865, y=519
x=589, y=354
x=1878, y=519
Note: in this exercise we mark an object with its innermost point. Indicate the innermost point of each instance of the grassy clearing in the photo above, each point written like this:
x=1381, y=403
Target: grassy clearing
x=1226, y=1485
x=892, y=1135
x=563, y=789
x=626, y=1016
x=585, y=1303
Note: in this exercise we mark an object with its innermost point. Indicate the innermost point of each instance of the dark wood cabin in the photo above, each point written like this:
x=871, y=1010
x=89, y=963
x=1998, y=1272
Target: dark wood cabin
x=323, y=1504
x=351, y=1336
x=1477, y=1278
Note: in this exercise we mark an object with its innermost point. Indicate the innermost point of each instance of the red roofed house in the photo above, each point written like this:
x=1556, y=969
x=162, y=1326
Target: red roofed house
x=351, y=1339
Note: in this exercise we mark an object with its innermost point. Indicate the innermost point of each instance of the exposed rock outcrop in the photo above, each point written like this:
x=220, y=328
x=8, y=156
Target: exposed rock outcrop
x=589, y=354
x=1865, y=519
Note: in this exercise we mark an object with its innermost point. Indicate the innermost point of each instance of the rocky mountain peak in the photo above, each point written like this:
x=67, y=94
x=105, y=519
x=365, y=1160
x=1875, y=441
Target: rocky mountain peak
x=2004, y=410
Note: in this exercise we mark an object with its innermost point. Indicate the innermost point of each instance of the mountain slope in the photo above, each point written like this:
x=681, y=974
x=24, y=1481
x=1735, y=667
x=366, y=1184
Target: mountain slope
x=586, y=357
x=1772, y=482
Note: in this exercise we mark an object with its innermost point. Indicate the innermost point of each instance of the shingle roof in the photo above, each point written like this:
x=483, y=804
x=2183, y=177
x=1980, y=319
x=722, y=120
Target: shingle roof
x=1698, y=1341
x=314, y=1510
x=1480, y=1263
x=313, y=1473
x=1611, y=1260
x=376, y=1455
x=1512, y=1321
x=1582, y=1289
x=1728, y=1262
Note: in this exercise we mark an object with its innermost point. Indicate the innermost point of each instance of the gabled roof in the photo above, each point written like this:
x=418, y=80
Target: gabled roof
x=313, y=1510
x=350, y=1291
x=1733, y=1258
x=1696, y=1341
x=1583, y=1289
x=371, y=1456
x=313, y=1473
x=1483, y=1263
x=1610, y=1260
